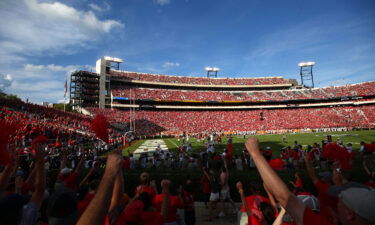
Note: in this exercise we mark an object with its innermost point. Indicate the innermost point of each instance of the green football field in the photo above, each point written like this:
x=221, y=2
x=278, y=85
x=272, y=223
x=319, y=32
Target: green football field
x=272, y=140
x=247, y=176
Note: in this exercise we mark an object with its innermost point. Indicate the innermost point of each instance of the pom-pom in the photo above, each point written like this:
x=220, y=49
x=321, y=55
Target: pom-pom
x=8, y=129
x=370, y=147
x=335, y=152
x=100, y=126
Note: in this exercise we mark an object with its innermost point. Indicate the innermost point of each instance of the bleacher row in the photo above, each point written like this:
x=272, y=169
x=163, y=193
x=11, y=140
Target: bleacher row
x=35, y=120
x=198, y=80
x=172, y=122
x=363, y=89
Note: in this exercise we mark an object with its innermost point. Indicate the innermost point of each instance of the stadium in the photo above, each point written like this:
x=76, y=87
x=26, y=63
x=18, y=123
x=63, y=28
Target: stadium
x=155, y=104
x=166, y=112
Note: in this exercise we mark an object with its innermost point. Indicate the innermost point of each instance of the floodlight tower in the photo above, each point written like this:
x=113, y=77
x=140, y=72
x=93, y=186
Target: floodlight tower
x=306, y=73
x=212, y=71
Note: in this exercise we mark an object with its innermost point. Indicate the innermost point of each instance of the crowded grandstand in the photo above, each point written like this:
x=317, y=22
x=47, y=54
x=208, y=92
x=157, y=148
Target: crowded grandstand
x=155, y=104
x=79, y=167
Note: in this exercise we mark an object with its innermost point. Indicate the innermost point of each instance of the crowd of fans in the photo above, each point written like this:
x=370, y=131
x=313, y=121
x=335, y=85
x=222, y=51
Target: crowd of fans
x=363, y=89
x=32, y=193
x=198, y=80
x=175, y=122
x=44, y=181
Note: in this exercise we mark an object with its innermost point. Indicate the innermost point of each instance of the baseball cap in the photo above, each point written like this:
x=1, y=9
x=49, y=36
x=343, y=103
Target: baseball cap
x=62, y=207
x=65, y=171
x=358, y=197
x=326, y=175
x=310, y=201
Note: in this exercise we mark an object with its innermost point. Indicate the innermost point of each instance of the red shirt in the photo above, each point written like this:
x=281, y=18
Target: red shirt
x=151, y=218
x=174, y=203
x=147, y=189
x=312, y=218
x=253, y=202
x=70, y=181
x=326, y=201
x=298, y=183
x=127, y=163
x=82, y=205
x=132, y=213
x=371, y=184
x=206, y=188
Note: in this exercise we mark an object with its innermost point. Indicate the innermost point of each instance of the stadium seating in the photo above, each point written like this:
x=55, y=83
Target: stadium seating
x=198, y=80
x=36, y=120
x=364, y=89
x=173, y=122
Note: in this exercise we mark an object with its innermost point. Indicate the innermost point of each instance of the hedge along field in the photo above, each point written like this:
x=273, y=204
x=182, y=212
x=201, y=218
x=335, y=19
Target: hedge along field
x=274, y=141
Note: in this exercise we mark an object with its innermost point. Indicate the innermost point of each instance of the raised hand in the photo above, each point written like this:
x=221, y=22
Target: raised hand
x=239, y=185
x=252, y=145
x=114, y=163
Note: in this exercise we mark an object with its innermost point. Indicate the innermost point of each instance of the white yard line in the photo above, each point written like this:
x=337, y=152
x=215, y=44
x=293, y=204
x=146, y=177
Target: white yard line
x=172, y=143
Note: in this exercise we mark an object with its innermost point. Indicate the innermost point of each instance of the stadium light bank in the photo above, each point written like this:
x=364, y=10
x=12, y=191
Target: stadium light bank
x=212, y=71
x=301, y=64
x=306, y=73
x=116, y=60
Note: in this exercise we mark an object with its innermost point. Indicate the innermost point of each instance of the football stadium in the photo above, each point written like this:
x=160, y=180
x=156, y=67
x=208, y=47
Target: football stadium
x=156, y=104
x=165, y=112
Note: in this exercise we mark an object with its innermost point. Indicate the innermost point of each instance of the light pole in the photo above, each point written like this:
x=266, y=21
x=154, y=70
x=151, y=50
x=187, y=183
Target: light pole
x=212, y=71
x=306, y=73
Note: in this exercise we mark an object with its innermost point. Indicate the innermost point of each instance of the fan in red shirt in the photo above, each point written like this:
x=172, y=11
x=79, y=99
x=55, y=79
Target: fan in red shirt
x=146, y=185
x=298, y=183
x=140, y=212
x=355, y=201
x=189, y=209
x=206, y=188
x=175, y=202
x=253, y=202
x=327, y=202
x=66, y=176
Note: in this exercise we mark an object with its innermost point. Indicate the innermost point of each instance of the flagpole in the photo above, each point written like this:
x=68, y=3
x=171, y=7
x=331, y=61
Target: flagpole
x=65, y=90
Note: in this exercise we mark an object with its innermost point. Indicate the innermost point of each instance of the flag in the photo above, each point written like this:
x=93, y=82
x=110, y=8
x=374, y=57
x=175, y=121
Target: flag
x=65, y=87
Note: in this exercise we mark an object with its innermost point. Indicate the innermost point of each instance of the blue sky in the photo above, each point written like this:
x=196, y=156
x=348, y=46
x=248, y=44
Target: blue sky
x=43, y=41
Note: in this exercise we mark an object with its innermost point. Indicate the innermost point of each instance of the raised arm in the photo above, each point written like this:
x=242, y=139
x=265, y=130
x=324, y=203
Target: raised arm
x=310, y=170
x=87, y=177
x=4, y=179
x=31, y=176
x=118, y=191
x=279, y=218
x=80, y=165
x=271, y=198
x=63, y=159
x=276, y=186
x=243, y=199
x=366, y=168
x=98, y=207
x=166, y=194
x=205, y=173
x=40, y=177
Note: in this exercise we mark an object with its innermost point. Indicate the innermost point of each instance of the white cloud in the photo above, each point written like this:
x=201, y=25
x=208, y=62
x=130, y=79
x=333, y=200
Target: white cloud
x=104, y=7
x=5, y=81
x=170, y=64
x=162, y=2
x=95, y=7
x=33, y=28
x=55, y=68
